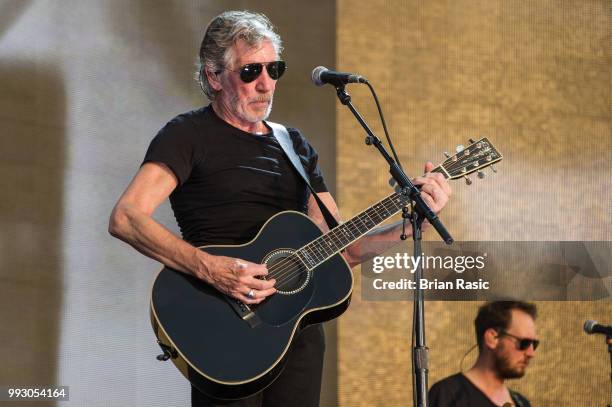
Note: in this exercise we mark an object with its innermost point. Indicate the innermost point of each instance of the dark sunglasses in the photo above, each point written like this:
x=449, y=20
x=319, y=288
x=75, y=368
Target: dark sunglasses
x=522, y=343
x=250, y=72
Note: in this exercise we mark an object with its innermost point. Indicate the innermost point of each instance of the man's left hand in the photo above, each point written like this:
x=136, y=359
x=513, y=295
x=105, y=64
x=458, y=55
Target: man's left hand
x=434, y=188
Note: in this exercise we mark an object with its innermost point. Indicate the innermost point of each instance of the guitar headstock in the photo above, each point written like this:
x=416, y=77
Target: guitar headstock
x=478, y=155
x=473, y=158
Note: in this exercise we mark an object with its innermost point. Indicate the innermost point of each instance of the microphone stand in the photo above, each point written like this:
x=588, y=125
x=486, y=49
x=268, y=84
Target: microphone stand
x=419, y=211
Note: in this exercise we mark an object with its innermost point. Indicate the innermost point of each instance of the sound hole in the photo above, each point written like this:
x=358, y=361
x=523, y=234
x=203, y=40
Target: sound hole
x=290, y=273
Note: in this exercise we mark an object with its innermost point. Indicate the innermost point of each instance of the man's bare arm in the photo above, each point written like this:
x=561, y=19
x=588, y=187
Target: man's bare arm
x=132, y=222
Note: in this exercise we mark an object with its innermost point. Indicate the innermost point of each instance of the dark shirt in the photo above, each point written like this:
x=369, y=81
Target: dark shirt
x=230, y=182
x=458, y=391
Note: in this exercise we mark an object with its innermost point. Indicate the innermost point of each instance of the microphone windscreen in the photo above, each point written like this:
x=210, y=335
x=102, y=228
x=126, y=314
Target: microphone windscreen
x=316, y=75
x=589, y=325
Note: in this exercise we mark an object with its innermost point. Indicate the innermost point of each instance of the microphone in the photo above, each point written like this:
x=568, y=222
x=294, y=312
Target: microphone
x=321, y=75
x=592, y=327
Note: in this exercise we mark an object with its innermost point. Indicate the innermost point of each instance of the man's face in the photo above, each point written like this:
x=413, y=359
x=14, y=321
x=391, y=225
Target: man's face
x=510, y=361
x=247, y=103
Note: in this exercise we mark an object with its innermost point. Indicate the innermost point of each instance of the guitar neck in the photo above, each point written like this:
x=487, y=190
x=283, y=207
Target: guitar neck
x=480, y=154
x=343, y=235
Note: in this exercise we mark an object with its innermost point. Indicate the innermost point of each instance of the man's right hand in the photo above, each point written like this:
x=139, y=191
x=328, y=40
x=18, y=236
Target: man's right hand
x=132, y=222
x=237, y=278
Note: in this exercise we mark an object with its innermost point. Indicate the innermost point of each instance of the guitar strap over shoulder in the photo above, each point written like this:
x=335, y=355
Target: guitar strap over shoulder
x=282, y=136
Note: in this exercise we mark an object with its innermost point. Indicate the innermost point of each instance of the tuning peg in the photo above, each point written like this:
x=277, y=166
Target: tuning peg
x=467, y=180
x=493, y=168
x=447, y=155
x=392, y=182
x=459, y=148
x=471, y=141
x=481, y=174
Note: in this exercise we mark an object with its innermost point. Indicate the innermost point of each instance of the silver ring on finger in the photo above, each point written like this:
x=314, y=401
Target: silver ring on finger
x=251, y=294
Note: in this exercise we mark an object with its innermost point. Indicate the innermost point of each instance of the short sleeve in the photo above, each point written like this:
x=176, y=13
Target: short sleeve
x=310, y=160
x=449, y=393
x=437, y=397
x=177, y=145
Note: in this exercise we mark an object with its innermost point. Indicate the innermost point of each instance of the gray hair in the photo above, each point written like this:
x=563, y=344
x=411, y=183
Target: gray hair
x=224, y=31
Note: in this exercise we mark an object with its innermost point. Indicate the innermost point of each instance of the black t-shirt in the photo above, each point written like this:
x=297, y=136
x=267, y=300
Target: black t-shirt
x=230, y=181
x=458, y=391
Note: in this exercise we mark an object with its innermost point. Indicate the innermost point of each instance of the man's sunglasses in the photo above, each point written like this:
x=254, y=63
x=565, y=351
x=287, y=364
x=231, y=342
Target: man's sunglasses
x=250, y=72
x=522, y=343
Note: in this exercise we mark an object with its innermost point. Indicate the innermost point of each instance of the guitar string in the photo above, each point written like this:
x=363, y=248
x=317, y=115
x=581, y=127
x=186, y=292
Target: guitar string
x=291, y=259
x=295, y=268
x=292, y=265
x=454, y=165
x=458, y=172
x=298, y=267
x=348, y=224
x=287, y=267
x=287, y=273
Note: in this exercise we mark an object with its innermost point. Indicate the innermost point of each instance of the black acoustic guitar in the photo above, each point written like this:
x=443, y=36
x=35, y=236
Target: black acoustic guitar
x=231, y=350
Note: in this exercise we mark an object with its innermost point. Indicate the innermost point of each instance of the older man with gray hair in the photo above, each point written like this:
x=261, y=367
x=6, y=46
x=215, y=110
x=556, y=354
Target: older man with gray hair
x=225, y=175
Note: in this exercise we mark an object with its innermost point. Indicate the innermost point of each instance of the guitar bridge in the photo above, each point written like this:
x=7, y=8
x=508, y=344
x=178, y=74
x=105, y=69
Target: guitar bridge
x=244, y=312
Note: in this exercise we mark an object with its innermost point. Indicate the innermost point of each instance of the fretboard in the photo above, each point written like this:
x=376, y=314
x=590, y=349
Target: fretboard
x=343, y=235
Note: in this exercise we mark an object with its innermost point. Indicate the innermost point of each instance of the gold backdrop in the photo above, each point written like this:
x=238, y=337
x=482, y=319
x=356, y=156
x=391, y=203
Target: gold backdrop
x=535, y=77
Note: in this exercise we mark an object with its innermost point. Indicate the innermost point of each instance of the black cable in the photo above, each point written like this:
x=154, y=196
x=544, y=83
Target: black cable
x=384, y=124
x=464, y=355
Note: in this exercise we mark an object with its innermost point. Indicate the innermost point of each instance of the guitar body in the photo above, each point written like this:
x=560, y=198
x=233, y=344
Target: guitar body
x=230, y=351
